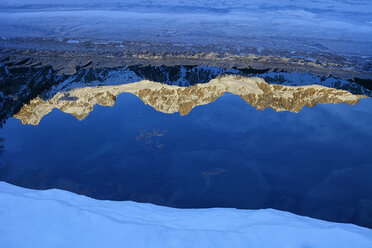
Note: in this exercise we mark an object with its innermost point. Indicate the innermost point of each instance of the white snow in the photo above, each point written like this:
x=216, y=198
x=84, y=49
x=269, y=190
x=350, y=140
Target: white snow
x=56, y=218
x=277, y=24
x=73, y=41
x=339, y=5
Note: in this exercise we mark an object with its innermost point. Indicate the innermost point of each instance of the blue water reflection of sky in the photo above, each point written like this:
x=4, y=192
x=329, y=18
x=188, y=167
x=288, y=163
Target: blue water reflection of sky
x=225, y=154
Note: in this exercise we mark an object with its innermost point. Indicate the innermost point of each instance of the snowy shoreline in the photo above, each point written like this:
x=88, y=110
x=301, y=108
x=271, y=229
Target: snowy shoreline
x=57, y=218
x=339, y=27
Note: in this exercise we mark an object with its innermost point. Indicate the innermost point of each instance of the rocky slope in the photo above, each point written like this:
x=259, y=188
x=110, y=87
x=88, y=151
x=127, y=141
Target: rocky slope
x=24, y=79
x=170, y=98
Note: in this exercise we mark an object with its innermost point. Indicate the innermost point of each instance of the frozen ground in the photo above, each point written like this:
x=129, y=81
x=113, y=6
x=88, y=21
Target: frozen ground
x=56, y=218
x=343, y=27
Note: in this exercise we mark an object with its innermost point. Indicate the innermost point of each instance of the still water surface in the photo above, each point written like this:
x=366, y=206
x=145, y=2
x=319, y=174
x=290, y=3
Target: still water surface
x=317, y=162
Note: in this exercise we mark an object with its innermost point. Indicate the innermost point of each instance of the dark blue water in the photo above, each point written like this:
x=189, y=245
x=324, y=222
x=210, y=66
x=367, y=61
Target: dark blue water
x=225, y=154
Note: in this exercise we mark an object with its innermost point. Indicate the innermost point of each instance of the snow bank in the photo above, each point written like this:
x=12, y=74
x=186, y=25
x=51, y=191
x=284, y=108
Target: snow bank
x=340, y=5
x=324, y=25
x=56, y=218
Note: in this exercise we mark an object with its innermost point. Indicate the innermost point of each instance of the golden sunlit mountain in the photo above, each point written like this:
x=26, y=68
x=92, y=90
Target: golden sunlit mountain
x=170, y=99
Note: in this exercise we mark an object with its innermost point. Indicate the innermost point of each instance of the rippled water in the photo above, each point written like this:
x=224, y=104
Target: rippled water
x=223, y=154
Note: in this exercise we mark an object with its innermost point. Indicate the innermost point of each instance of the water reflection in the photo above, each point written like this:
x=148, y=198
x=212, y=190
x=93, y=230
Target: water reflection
x=1, y=145
x=170, y=99
x=209, y=173
x=223, y=153
x=148, y=138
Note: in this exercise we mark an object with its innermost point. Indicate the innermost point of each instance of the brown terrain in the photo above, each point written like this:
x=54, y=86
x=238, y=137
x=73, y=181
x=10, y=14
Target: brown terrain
x=171, y=99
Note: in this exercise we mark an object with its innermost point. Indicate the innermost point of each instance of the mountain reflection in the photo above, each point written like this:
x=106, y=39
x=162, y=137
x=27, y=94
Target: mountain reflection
x=171, y=99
